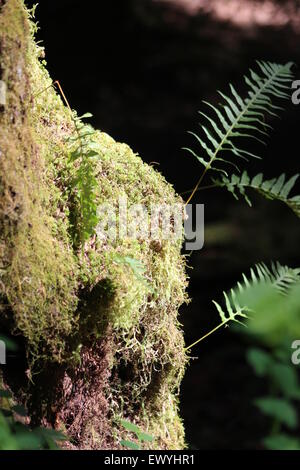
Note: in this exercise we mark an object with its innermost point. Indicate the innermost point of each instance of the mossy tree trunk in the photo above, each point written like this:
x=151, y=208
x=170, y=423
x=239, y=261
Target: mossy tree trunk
x=96, y=343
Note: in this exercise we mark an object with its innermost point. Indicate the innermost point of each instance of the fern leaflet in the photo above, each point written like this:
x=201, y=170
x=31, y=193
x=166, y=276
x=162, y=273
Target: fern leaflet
x=274, y=189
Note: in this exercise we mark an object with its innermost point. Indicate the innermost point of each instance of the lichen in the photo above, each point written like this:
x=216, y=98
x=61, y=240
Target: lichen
x=80, y=310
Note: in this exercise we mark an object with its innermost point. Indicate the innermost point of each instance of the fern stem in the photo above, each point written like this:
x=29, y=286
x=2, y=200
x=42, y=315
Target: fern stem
x=207, y=334
x=43, y=90
x=63, y=95
x=197, y=185
x=209, y=186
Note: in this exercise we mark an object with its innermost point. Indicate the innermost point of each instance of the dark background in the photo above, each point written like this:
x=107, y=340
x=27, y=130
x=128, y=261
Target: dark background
x=142, y=68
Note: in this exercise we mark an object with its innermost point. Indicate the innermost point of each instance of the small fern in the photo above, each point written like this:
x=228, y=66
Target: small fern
x=233, y=309
x=84, y=181
x=239, y=118
x=233, y=312
x=274, y=189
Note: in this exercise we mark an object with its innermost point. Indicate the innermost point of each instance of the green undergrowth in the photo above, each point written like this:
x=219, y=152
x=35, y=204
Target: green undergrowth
x=59, y=297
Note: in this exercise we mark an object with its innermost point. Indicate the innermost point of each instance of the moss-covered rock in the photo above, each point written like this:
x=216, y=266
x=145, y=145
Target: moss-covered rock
x=102, y=342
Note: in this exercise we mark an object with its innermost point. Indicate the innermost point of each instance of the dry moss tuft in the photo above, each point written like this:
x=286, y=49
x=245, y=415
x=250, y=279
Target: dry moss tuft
x=82, y=314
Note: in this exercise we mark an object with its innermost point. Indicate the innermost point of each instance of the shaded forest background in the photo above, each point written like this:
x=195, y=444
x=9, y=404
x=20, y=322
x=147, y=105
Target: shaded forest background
x=142, y=68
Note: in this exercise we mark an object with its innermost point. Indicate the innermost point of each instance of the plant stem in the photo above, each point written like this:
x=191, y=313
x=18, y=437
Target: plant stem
x=206, y=335
x=209, y=186
x=197, y=186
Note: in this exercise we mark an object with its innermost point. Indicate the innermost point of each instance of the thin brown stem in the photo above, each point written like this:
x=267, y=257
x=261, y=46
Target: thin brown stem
x=77, y=131
x=197, y=186
x=209, y=186
x=63, y=95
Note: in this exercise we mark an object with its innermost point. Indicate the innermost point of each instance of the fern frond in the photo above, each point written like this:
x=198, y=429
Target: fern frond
x=284, y=277
x=280, y=279
x=232, y=312
x=83, y=150
x=274, y=189
x=239, y=117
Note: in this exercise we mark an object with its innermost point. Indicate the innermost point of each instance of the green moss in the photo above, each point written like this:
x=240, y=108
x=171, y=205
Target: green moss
x=40, y=268
x=60, y=299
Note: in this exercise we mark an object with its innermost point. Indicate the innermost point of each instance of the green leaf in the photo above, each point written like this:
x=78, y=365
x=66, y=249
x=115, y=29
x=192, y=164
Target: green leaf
x=6, y=413
x=280, y=409
x=91, y=154
x=130, y=426
x=75, y=155
x=259, y=360
x=9, y=343
x=286, y=378
x=281, y=442
x=274, y=189
x=84, y=116
x=280, y=277
x=28, y=441
x=51, y=434
x=7, y=440
x=130, y=445
x=233, y=309
x=145, y=437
